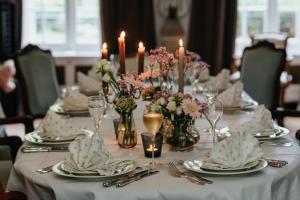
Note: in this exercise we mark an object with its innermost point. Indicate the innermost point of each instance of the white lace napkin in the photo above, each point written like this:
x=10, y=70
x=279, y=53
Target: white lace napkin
x=54, y=125
x=236, y=151
x=75, y=101
x=232, y=97
x=88, y=84
x=261, y=121
x=91, y=155
x=221, y=81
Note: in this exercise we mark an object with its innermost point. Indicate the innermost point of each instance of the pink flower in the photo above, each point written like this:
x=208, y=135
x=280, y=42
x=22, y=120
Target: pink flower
x=149, y=74
x=132, y=79
x=190, y=108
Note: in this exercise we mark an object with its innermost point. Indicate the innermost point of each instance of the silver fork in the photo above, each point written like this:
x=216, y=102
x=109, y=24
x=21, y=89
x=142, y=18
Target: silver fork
x=174, y=171
x=45, y=170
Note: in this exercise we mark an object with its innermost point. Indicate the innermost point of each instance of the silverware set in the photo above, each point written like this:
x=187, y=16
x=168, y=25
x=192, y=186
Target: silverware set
x=130, y=178
x=276, y=163
x=36, y=149
x=45, y=170
x=174, y=171
x=277, y=143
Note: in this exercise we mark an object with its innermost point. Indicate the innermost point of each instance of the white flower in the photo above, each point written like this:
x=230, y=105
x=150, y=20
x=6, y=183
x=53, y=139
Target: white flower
x=161, y=101
x=107, y=68
x=171, y=98
x=106, y=77
x=103, y=62
x=179, y=110
x=171, y=106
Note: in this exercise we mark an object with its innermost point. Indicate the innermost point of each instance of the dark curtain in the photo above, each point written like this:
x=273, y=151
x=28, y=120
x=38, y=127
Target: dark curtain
x=10, y=32
x=212, y=31
x=135, y=17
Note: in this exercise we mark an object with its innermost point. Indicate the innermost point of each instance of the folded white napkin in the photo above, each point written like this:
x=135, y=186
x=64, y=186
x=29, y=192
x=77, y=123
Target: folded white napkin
x=260, y=122
x=88, y=84
x=92, y=73
x=232, y=96
x=54, y=125
x=75, y=101
x=204, y=75
x=221, y=81
x=236, y=151
x=91, y=155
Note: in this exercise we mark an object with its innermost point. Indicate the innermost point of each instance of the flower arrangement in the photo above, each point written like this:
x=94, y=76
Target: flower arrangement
x=178, y=106
x=181, y=110
x=129, y=85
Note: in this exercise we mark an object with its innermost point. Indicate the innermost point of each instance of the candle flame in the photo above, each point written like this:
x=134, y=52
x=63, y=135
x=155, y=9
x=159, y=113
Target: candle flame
x=141, y=45
x=104, y=46
x=181, y=42
x=122, y=34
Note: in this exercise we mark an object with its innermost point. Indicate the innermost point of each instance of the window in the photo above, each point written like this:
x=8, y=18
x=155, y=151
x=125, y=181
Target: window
x=256, y=16
x=62, y=25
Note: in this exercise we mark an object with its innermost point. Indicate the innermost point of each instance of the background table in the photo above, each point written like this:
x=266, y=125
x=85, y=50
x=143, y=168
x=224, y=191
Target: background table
x=270, y=183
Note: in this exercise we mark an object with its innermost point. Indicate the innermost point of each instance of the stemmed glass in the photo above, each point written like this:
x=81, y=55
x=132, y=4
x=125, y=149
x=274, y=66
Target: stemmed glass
x=210, y=91
x=96, y=105
x=110, y=97
x=213, y=114
x=152, y=120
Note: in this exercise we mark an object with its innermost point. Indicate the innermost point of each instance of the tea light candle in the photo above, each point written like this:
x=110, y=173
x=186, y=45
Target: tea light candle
x=151, y=148
x=148, y=146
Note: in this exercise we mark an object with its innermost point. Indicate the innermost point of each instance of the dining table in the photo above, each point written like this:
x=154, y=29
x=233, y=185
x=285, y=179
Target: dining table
x=271, y=183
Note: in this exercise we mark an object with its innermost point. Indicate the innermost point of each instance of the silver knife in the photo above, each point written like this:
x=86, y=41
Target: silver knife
x=110, y=183
x=43, y=149
x=130, y=180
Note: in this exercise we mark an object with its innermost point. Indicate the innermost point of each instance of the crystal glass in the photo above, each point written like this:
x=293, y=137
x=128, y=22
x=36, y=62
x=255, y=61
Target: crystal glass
x=210, y=91
x=213, y=115
x=152, y=121
x=96, y=105
x=110, y=97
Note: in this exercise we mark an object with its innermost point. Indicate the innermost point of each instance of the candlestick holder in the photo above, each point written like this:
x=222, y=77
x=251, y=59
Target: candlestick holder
x=147, y=144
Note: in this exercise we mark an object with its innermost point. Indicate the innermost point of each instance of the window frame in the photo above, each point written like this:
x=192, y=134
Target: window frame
x=271, y=23
x=70, y=44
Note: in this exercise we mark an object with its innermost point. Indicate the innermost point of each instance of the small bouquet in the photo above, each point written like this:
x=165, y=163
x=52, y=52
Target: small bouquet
x=178, y=107
x=181, y=110
x=129, y=85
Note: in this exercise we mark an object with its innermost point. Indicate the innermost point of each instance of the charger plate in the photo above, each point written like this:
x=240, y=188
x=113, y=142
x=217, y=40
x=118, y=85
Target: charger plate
x=35, y=138
x=58, y=170
x=192, y=165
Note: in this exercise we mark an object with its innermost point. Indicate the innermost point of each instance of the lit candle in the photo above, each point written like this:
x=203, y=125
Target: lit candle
x=181, y=67
x=104, y=55
x=121, y=41
x=141, y=53
x=104, y=51
x=151, y=148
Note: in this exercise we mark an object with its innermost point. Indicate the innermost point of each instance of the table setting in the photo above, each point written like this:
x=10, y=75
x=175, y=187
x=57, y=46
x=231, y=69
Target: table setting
x=168, y=140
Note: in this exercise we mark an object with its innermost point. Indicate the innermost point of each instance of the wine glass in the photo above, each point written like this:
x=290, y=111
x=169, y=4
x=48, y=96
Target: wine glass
x=96, y=105
x=110, y=97
x=210, y=91
x=213, y=114
x=152, y=121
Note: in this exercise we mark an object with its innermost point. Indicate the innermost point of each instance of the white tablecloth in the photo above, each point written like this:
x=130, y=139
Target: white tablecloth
x=270, y=183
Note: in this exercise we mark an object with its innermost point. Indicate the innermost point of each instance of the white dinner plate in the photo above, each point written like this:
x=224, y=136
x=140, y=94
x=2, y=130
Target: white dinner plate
x=69, y=169
x=192, y=166
x=59, y=171
x=35, y=138
x=278, y=132
x=218, y=167
x=59, y=109
x=246, y=105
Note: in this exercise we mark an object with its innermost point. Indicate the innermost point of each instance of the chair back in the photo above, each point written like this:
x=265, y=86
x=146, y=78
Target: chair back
x=36, y=73
x=261, y=67
x=279, y=40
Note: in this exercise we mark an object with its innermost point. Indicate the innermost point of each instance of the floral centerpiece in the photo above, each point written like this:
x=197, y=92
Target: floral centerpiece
x=181, y=110
x=126, y=90
x=162, y=65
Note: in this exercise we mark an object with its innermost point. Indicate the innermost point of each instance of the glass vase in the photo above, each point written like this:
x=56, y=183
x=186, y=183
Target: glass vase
x=184, y=135
x=127, y=136
x=165, y=83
